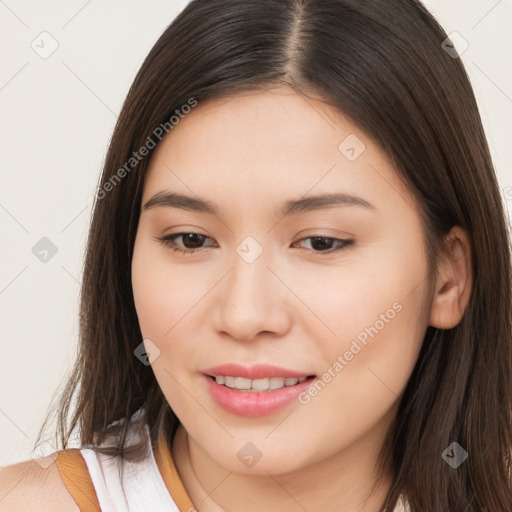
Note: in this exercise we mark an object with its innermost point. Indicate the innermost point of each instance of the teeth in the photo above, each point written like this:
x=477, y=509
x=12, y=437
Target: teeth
x=276, y=382
x=241, y=383
x=268, y=384
x=260, y=384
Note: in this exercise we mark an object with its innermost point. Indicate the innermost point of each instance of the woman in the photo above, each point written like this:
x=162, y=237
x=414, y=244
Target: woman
x=297, y=288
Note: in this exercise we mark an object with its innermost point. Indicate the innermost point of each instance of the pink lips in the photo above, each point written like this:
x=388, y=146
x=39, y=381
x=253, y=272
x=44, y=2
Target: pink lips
x=253, y=403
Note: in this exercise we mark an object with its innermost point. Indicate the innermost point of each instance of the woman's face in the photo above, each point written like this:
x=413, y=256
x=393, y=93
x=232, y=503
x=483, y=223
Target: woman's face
x=307, y=261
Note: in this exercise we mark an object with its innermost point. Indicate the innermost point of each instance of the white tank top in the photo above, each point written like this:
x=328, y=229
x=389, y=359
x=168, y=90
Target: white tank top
x=142, y=488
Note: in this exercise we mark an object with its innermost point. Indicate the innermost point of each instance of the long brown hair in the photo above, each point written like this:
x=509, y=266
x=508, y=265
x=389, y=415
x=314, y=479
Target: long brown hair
x=381, y=63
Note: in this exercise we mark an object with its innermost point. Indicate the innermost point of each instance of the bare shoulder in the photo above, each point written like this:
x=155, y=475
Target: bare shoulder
x=28, y=486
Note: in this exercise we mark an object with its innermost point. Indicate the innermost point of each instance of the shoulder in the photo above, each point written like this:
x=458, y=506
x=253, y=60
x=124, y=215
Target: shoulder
x=29, y=486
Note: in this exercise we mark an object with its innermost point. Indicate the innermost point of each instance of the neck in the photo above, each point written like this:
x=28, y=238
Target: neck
x=347, y=478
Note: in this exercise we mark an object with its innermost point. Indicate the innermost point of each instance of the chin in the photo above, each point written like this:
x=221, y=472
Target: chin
x=250, y=460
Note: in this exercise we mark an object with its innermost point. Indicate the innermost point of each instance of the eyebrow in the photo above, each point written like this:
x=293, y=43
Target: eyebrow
x=290, y=207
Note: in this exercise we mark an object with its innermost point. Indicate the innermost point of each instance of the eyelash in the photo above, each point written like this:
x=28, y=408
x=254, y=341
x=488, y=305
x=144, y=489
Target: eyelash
x=168, y=241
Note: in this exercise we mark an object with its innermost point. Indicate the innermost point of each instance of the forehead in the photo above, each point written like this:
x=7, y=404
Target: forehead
x=266, y=145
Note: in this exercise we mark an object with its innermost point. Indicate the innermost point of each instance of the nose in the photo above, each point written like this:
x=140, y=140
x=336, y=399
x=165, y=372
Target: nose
x=252, y=301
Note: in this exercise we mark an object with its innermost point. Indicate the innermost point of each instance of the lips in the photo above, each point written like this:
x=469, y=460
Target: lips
x=253, y=402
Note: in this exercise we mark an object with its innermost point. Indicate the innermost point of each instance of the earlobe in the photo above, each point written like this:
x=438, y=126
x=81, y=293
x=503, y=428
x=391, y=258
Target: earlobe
x=454, y=280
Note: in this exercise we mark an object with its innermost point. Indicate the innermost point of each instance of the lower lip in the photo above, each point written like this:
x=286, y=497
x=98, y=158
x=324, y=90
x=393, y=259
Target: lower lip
x=254, y=403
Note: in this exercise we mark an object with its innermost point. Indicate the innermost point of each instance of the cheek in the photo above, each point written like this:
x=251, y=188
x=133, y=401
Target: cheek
x=151, y=301
x=370, y=294
x=162, y=294
x=170, y=300
x=367, y=366
x=376, y=311
x=164, y=300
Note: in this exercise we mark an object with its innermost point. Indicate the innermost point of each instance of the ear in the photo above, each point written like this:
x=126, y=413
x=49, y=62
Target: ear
x=454, y=280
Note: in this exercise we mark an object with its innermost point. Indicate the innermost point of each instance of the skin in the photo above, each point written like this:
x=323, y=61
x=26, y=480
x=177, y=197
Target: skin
x=34, y=486
x=294, y=306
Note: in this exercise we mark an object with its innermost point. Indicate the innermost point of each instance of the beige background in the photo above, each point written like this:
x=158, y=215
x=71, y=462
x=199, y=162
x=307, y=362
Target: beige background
x=56, y=117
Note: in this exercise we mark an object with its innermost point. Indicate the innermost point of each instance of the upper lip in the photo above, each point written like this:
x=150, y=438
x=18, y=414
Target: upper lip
x=258, y=371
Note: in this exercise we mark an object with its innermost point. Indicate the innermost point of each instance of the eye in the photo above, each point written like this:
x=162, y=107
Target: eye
x=192, y=242
x=325, y=244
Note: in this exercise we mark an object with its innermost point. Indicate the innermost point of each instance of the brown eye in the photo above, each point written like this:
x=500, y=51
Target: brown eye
x=190, y=242
x=325, y=244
